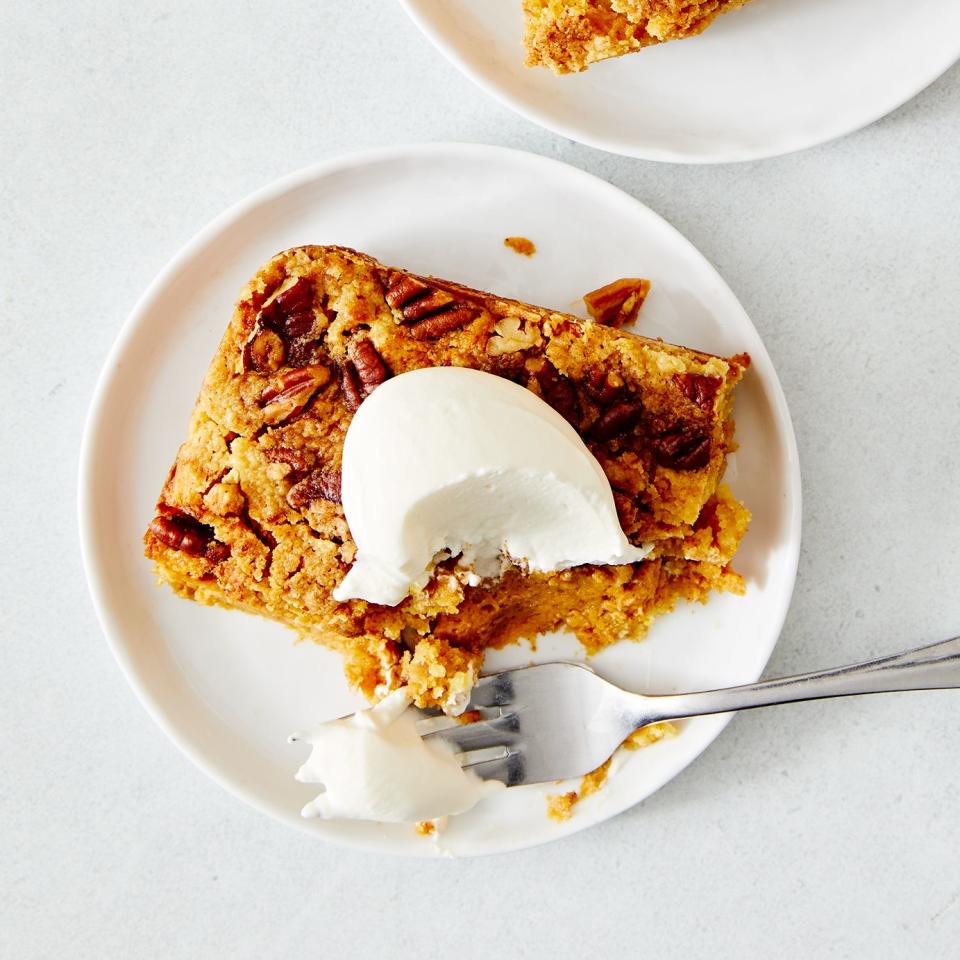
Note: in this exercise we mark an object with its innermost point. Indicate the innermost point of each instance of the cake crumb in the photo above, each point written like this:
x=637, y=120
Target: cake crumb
x=560, y=806
x=521, y=245
x=646, y=736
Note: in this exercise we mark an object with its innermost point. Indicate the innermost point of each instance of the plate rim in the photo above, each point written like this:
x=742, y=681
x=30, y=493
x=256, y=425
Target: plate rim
x=95, y=573
x=610, y=145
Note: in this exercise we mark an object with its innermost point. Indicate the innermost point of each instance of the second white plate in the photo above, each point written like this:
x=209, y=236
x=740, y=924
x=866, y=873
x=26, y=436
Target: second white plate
x=228, y=687
x=770, y=78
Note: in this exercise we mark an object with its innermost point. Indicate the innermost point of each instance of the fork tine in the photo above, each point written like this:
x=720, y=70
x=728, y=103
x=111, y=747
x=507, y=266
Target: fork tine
x=495, y=690
x=508, y=769
x=471, y=757
x=501, y=731
x=438, y=724
x=431, y=723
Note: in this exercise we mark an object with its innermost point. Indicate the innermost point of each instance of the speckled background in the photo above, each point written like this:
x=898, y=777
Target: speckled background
x=819, y=830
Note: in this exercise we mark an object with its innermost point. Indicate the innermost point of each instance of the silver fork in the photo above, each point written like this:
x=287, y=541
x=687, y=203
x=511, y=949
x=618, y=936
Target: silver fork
x=560, y=720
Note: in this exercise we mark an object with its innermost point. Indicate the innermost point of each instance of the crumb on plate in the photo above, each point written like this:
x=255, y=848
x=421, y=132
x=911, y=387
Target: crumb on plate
x=521, y=245
x=560, y=806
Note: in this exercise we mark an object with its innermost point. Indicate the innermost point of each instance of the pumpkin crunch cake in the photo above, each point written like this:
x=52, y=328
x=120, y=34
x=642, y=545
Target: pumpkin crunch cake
x=250, y=514
x=569, y=35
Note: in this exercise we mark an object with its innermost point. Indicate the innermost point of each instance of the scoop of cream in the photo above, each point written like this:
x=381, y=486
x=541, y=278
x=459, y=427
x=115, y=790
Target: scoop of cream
x=375, y=766
x=457, y=460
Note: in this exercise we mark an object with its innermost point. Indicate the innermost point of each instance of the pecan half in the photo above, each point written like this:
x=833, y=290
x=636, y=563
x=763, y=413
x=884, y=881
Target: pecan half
x=559, y=392
x=319, y=485
x=432, y=327
x=617, y=303
x=362, y=372
x=602, y=387
x=431, y=311
x=291, y=393
x=285, y=330
x=617, y=420
x=290, y=313
x=699, y=388
x=402, y=288
x=682, y=447
x=510, y=366
x=216, y=551
x=511, y=335
x=350, y=385
x=433, y=302
x=264, y=351
x=294, y=459
x=371, y=370
x=181, y=532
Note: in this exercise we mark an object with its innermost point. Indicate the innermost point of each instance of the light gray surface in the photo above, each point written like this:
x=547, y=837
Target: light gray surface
x=820, y=830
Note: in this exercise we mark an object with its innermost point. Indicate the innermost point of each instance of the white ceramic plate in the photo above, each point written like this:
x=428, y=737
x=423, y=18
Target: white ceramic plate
x=770, y=78
x=228, y=687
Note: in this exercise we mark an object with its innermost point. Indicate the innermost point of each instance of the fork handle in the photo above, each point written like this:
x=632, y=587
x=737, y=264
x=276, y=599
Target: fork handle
x=925, y=668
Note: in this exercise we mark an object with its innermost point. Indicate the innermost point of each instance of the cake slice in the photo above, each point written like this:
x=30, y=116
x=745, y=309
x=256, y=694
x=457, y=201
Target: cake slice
x=569, y=35
x=250, y=518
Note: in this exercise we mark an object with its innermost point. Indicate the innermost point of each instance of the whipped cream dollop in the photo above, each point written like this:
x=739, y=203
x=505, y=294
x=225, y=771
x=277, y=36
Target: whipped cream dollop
x=451, y=461
x=373, y=765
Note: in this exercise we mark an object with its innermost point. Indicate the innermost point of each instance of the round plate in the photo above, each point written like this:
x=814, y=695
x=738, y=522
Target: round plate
x=770, y=78
x=228, y=687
